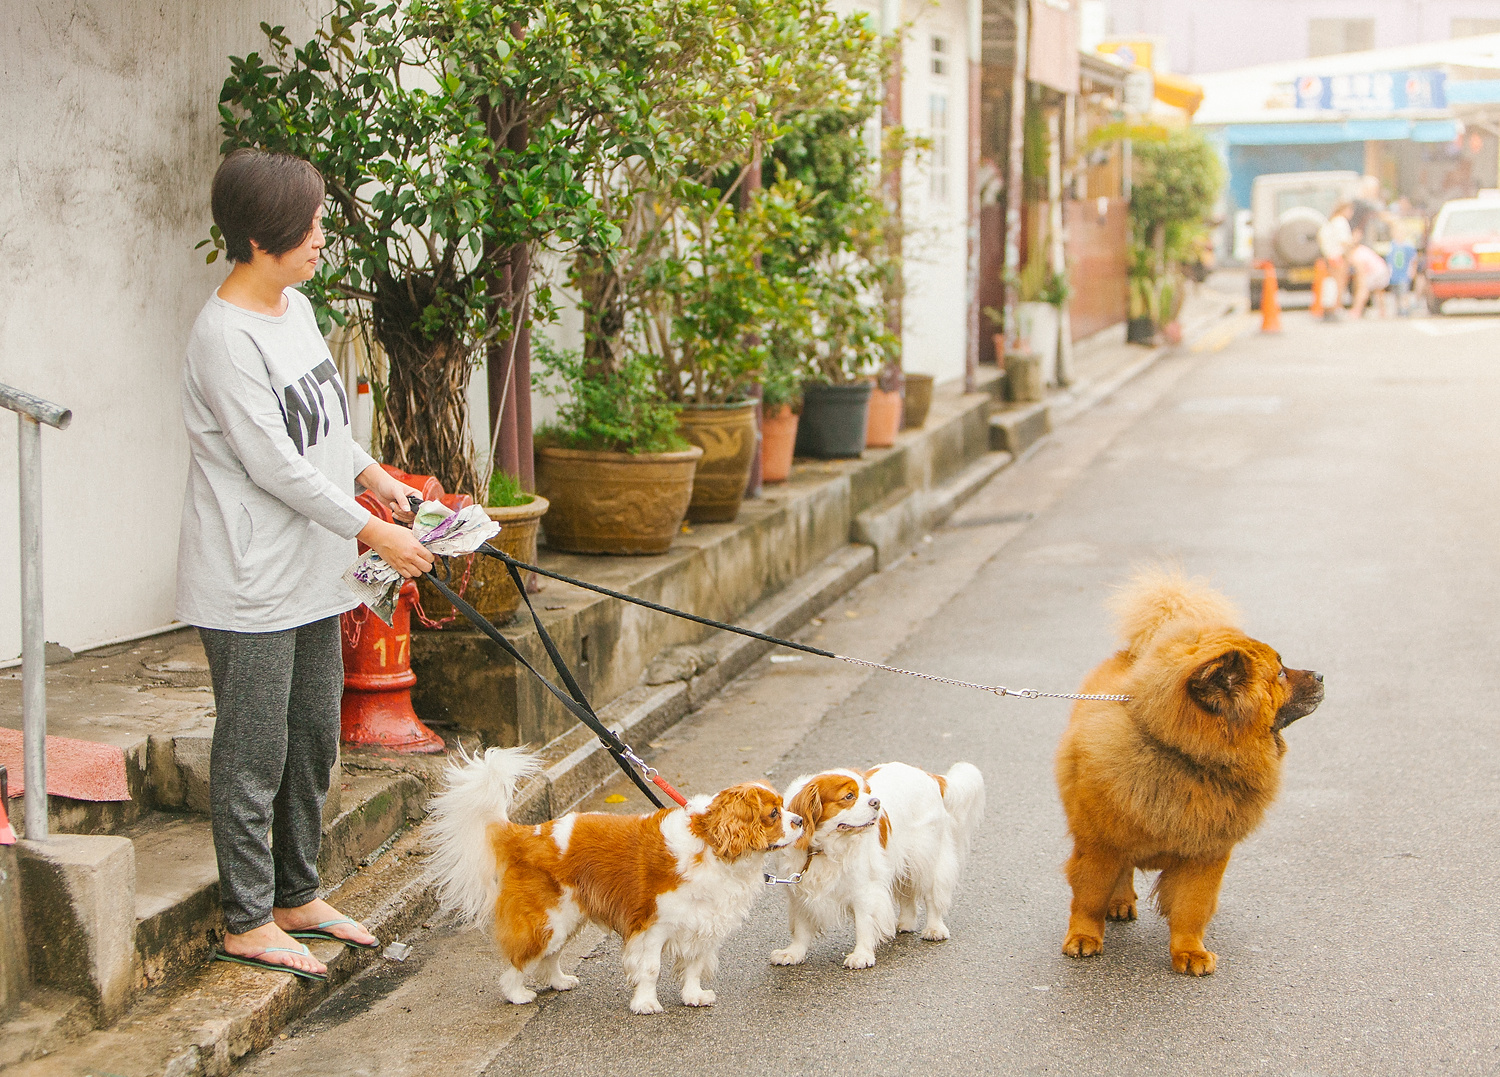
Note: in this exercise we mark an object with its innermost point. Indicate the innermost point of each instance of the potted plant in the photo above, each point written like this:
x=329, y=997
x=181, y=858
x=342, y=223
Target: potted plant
x=851, y=341
x=697, y=308
x=616, y=471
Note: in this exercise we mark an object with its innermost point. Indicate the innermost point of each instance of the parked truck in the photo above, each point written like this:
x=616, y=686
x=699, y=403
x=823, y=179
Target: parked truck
x=1287, y=209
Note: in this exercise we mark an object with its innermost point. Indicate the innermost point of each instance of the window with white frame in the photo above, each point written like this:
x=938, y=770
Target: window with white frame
x=939, y=167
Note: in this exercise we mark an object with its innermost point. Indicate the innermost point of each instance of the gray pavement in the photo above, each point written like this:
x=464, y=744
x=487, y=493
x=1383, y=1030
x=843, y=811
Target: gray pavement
x=1340, y=482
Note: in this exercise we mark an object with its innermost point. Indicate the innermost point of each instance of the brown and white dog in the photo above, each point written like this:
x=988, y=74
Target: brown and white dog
x=877, y=844
x=673, y=884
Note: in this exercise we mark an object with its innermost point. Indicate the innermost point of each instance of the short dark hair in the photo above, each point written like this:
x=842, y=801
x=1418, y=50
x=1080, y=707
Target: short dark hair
x=268, y=197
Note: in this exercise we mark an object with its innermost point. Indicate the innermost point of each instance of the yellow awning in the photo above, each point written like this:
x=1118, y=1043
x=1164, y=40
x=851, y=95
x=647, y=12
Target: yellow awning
x=1178, y=92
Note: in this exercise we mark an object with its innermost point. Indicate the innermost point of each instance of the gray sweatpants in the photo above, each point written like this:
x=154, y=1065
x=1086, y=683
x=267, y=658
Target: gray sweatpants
x=275, y=743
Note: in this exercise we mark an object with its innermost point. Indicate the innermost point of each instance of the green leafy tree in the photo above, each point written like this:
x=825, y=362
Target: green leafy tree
x=1174, y=187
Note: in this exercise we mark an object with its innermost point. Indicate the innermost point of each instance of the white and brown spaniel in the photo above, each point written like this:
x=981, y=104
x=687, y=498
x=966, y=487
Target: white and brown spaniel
x=674, y=884
x=877, y=844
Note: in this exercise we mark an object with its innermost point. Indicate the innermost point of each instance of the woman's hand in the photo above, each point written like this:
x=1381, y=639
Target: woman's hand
x=392, y=492
x=398, y=546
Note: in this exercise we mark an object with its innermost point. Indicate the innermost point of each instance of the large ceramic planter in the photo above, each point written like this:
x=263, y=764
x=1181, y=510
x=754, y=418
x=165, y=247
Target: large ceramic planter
x=614, y=502
x=1039, y=325
x=483, y=581
x=918, y=401
x=726, y=434
x=884, y=422
x=834, y=419
x=778, y=432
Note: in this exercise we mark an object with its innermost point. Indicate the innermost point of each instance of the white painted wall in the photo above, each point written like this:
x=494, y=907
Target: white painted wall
x=934, y=319
x=109, y=110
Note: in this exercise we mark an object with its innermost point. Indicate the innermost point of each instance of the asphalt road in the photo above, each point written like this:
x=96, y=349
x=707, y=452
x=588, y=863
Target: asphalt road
x=1341, y=483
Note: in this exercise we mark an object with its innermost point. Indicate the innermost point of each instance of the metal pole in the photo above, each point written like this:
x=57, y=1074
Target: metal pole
x=971, y=350
x=33, y=640
x=32, y=411
x=1014, y=187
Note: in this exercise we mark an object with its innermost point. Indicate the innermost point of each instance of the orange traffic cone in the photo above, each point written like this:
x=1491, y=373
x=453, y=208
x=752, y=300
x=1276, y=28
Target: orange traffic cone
x=1270, y=305
x=1320, y=271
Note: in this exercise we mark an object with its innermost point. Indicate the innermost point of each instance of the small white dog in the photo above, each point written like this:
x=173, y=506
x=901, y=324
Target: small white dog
x=877, y=844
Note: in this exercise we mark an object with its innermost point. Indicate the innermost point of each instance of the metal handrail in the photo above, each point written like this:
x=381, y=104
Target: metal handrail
x=31, y=412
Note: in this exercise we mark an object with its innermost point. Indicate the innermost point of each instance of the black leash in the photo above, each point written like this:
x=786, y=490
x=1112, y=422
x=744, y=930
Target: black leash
x=574, y=699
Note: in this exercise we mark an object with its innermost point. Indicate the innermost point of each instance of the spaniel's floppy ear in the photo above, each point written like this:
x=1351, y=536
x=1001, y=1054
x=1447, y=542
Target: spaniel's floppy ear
x=1215, y=684
x=731, y=824
x=808, y=804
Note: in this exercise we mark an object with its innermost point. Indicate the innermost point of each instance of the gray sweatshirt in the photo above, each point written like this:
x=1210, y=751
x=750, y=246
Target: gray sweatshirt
x=269, y=521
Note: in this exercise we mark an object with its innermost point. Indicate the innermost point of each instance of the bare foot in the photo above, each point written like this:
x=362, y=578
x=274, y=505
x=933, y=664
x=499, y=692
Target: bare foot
x=318, y=912
x=263, y=943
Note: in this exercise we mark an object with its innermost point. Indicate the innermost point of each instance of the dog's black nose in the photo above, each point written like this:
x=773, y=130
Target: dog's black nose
x=1318, y=677
x=875, y=803
x=795, y=820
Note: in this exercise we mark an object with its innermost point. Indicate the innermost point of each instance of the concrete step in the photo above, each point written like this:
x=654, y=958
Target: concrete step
x=204, y=1021
x=1017, y=427
x=43, y=1022
x=178, y=920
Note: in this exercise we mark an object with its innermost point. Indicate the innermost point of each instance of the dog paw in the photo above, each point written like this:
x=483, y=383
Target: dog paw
x=936, y=933
x=645, y=1005
x=701, y=997
x=789, y=956
x=1121, y=910
x=521, y=997
x=1077, y=945
x=860, y=960
x=564, y=982
x=1195, y=962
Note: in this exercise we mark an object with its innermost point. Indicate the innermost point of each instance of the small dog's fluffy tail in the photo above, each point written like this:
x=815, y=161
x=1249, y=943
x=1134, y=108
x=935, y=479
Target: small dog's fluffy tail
x=478, y=793
x=1158, y=597
x=964, y=800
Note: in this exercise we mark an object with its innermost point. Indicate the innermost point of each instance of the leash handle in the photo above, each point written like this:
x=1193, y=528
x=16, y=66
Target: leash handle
x=666, y=787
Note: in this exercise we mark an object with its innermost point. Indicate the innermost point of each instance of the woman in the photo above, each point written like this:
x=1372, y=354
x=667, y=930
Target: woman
x=268, y=527
x=1372, y=274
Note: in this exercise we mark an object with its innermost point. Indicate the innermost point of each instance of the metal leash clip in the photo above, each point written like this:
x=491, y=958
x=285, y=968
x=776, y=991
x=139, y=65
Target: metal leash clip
x=772, y=880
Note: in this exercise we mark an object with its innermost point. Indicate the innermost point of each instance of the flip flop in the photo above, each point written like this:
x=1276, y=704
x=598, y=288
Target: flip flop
x=321, y=933
x=254, y=961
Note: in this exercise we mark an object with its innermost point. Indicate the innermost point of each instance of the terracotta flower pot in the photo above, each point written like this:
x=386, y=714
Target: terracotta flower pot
x=614, y=502
x=884, y=422
x=918, y=401
x=778, y=440
x=726, y=434
x=485, y=583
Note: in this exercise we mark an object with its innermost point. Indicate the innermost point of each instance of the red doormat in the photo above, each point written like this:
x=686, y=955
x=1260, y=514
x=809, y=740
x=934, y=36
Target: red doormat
x=76, y=769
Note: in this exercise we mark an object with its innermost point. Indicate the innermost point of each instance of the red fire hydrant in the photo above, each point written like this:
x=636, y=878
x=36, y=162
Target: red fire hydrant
x=378, y=678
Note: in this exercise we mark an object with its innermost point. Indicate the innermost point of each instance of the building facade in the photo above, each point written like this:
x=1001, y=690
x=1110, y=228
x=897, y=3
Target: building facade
x=1196, y=37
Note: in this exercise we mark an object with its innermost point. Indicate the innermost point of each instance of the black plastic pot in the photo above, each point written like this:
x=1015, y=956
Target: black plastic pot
x=1140, y=331
x=833, y=420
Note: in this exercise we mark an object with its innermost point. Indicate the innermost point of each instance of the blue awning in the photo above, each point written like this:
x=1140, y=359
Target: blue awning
x=1322, y=132
x=1474, y=92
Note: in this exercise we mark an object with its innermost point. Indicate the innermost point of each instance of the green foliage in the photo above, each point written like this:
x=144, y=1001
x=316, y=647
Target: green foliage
x=1175, y=185
x=617, y=411
x=505, y=492
x=1175, y=181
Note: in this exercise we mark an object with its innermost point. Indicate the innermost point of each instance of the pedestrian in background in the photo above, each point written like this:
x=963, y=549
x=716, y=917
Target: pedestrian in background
x=1402, y=261
x=268, y=527
x=1371, y=277
x=1334, y=240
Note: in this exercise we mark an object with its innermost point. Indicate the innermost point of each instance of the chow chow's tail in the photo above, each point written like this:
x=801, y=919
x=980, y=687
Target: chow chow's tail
x=1157, y=597
x=478, y=794
x=963, y=797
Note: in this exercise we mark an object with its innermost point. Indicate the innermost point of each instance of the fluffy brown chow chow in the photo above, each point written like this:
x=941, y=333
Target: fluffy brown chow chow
x=1173, y=779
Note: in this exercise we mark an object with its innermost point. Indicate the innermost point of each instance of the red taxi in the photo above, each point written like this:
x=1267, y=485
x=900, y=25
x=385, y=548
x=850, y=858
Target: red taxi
x=1463, y=251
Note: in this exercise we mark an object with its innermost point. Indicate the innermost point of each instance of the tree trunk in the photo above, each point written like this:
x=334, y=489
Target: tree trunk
x=426, y=402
